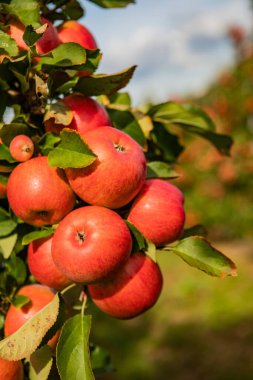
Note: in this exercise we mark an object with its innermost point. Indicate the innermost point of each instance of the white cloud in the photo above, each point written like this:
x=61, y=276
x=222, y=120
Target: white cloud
x=174, y=52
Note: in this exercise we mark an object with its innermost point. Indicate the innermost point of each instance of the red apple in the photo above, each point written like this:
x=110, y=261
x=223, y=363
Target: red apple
x=39, y=296
x=42, y=266
x=38, y=193
x=158, y=212
x=73, y=31
x=90, y=243
x=131, y=290
x=118, y=173
x=21, y=148
x=88, y=114
x=10, y=370
x=46, y=43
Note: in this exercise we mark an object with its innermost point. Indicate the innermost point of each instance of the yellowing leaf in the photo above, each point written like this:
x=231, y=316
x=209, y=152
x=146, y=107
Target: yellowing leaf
x=26, y=340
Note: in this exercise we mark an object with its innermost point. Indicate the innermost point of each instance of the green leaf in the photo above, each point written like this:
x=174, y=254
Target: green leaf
x=7, y=245
x=72, y=352
x=159, y=169
x=8, y=45
x=9, y=131
x=169, y=145
x=100, y=360
x=65, y=55
x=5, y=153
x=73, y=10
x=27, y=338
x=191, y=120
x=138, y=238
x=32, y=35
x=41, y=362
x=60, y=112
x=122, y=98
x=7, y=226
x=17, y=269
x=19, y=300
x=48, y=142
x=3, y=180
x=150, y=250
x=140, y=243
x=112, y=3
x=28, y=238
x=96, y=85
x=199, y=253
x=197, y=230
x=28, y=11
x=72, y=152
x=134, y=130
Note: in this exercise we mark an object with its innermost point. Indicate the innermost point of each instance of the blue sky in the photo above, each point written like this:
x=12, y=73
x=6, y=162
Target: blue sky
x=178, y=45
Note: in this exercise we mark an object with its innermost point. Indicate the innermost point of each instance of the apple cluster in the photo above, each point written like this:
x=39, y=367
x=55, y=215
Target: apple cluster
x=92, y=244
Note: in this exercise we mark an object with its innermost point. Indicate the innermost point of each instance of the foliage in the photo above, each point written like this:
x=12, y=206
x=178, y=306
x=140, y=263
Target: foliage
x=229, y=103
x=31, y=86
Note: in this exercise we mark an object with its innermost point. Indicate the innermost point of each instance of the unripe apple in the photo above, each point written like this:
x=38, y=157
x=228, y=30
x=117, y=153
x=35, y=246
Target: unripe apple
x=158, y=211
x=46, y=43
x=16, y=317
x=38, y=193
x=88, y=114
x=10, y=370
x=21, y=148
x=90, y=243
x=130, y=291
x=117, y=174
x=42, y=266
x=73, y=31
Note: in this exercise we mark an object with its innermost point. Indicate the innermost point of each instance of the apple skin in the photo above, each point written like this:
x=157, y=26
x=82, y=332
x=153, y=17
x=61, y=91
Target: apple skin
x=88, y=114
x=42, y=266
x=118, y=173
x=130, y=291
x=38, y=193
x=40, y=296
x=21, y=148
x=46, y=43
x=90, y=243
x=73, y=31
x=158, y=212
x=10, y=370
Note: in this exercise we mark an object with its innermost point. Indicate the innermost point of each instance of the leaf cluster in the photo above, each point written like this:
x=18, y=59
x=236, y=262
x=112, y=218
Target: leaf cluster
x=32, y=86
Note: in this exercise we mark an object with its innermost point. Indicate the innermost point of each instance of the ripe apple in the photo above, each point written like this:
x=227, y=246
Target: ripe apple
x=88, y=114
x=42, y=266
x=38, y=193
x=21, y=148
x=158, y=212
x=46, y=43
x=10, y=370
x=73, y=31
x=131, y=290
x=39, y=296
x=118, y=173
x=90, y=243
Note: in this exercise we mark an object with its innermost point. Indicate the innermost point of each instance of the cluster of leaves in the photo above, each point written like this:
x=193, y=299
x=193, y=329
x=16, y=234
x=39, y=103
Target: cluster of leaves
x=31, y=86
x=229, y=102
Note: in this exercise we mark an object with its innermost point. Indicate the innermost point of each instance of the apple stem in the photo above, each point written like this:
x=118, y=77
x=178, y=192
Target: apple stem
x=119, y=147
x=81, y=236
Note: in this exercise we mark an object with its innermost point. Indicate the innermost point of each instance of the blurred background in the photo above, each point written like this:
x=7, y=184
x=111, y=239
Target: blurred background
x=198, y=52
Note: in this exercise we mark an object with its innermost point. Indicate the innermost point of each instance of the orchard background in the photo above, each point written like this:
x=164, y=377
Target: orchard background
x=200, y=327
